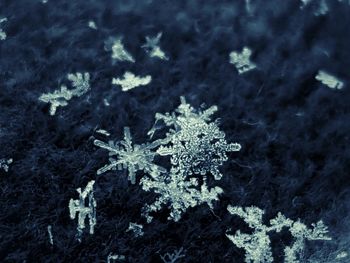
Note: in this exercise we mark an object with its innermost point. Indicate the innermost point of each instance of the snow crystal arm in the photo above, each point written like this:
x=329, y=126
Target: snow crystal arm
x=80, y=82
x=107, y=146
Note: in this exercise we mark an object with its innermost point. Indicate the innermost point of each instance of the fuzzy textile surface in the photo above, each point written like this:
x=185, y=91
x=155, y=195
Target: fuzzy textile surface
x=294, y=130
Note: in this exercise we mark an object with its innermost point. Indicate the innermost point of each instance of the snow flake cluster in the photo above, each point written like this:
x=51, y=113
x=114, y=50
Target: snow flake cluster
x=193, y=144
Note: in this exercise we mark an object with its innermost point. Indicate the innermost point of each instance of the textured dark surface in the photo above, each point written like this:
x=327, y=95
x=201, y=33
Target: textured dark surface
x=294, y=131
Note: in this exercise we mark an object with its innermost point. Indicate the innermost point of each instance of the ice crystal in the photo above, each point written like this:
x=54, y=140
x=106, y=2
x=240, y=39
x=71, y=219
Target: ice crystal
x=125, y=155
x=242, y=60
x=136, y=229
x=79, y=206
x=341, y=255
x=173, y=257
x=2, y=32
x=119, y=53
x=322, y=8
x=152, y=47
x=113, y=257
x=5, y=164
x=103, y=132
x=131, y=81
x=257, y=245
x=50, y=234
x=61, y=97
x=92, y=24
x=329, y=80
x=177, y=193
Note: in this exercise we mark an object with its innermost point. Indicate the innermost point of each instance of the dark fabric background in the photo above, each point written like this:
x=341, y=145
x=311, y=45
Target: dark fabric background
x=294, y=131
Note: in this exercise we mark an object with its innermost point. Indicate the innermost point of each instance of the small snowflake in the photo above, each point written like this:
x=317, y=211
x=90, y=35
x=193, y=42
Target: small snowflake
x=119, y=53
x=131, y=81
x=136, y=229
x=114, y=257
x=92, y=24
x=329, y=80
x=5, y=164
x=128, y=156
x=173, y=257
x=81, y=85
x=152, y=47
x=2, y=32
x=242, y=60
x=79, y=206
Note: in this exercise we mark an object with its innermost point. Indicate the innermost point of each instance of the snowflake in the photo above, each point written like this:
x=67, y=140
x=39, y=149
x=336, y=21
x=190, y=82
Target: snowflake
x=119, y=52
x=114, y=257
x=173, y=257
x=195, y=146
x=257, y=245
x=131, y=81
x=92, y=24
x=329, y=80
x=300, y=233
x=136, y=229
x=61, y=97
x=5, y=164
x=152, y=47
x=79, y=206
x=2, y=32
x=128, y=156
x=177, y=193
x=242, y=60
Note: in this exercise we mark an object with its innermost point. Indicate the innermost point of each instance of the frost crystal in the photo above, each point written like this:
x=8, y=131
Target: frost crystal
x=193, y=144
x=177, y=193
x=242, y=60
x=257, y=244
x=136, y=229
x=131, y=81
x=2, y=32
x=128, y=156
x=329, y=80
x=5, y=164
x=152, y=47
x=172, y=257
x=79, y=206
x=119, y=53
x=61, y=97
